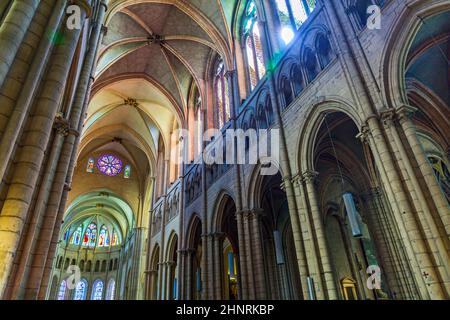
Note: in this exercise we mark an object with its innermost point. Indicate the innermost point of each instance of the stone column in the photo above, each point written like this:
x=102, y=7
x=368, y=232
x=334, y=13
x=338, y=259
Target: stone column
x=182, y=274
x=329, y=281
x=242, y=255
x=218, y=265
x=153, y=284
x=255, y=229
x=168, y=266
x=403, y=213
x=160, y=284
x=443, y=208
x=20, y=106
x=63, y=145
x=249, y=255
x=189, y=277
x=424, y=217
x=210, y=262
x=31, y=155
x=12, y=32
x=307, y=263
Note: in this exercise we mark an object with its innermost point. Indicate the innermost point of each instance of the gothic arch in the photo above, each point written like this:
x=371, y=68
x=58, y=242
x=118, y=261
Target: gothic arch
x=313, y=120
x=395, y=52
x=218, y=209
x=195, y=222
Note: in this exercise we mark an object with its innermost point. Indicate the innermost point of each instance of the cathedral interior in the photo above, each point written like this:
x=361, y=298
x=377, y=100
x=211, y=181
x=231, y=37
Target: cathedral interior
x=108, y=109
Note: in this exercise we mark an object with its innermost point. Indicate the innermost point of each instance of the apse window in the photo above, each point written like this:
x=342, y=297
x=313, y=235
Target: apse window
x=109, y=165
x=90, y=165
x=292, y=14
x=127, y=172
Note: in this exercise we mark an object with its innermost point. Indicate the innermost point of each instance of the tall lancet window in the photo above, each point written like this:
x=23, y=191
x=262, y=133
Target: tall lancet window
x=292, y=14
x=103, y=238
x=97, y=290
x=76, y=237
x=90, y=236
x=198, y=120
x=80, y=290
x=222, y=95
x=62, y=290
x=253, y=45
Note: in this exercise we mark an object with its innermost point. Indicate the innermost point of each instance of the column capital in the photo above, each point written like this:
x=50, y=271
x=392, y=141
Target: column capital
x=256, y=212
x=61, y=125
x=388, y=118
x=309, y=176
x=405, y=112
x=363, y=136
x=218, y=235
x=296, y=179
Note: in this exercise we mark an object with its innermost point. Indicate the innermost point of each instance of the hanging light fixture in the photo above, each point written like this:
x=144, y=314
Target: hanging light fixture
x=352, y=213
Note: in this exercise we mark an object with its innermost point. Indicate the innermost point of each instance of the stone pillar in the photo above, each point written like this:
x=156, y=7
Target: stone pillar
x=21, y=105
x=189, y=277
x=443, y=208
x=31, y=154
x=168, y=283
x=12, y=32
x=153, y=284
x=424, y=217
x=249, y=255
x=307, y=259
x=242, y=255
x=218, y=265
x=326, y=269
x=403, y=213
x=63, y=146
x=210, y=262
x=182, y=274
x=257, y=256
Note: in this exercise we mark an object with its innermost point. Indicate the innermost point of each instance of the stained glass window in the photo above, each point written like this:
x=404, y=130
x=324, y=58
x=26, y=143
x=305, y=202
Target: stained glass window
x=253, y=46
x=109, y=165
x=80, y=290
x=97, y=290
x=114, y=238
x=103, y=237
x=62, y=290
x=292, y=14
x=127, y=172
x=90, y=236
x=90, y=165
x=222, y=95
x=76, y=237
x=442, y=174
x=66, y=235
x=110, y=293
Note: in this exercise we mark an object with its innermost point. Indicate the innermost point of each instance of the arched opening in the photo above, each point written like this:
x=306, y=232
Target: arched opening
x=154, y=273
x=324, y=51
x=286, y=91
x=297, y=80
x=429, y=92
x=228, y=250
x=311, y=64
x=280, y=261
x=172, y=284
x=349, y=208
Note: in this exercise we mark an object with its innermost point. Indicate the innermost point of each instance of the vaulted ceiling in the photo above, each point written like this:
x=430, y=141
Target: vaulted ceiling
x=170, y=42
x=153, y=54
